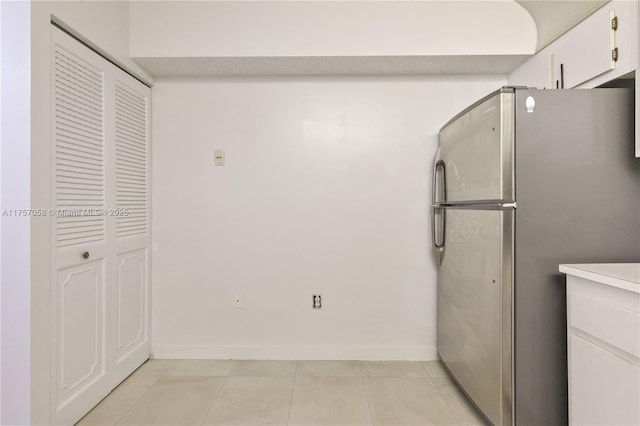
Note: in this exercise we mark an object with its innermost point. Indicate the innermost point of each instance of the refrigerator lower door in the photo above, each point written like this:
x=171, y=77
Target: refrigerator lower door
x=475, y=307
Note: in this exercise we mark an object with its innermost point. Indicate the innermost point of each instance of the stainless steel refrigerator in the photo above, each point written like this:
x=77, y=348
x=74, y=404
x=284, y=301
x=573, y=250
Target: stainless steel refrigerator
x=524, y=180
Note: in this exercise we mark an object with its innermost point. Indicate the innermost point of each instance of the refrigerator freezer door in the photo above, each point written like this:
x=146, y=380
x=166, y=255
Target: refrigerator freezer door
x=474, y=307
x=476, y=150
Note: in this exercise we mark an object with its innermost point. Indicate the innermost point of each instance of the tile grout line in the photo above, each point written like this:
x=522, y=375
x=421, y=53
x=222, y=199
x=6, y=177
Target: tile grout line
x=453, y=414
x=451, y=407
x=293, y=388
x=136, y=401
x=366, y=394
x=215, y=398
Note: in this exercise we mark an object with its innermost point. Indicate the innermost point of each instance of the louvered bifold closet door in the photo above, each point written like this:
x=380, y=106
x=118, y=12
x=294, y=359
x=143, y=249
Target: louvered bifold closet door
x=99, y=227
x=79, y=305
x=131, y=221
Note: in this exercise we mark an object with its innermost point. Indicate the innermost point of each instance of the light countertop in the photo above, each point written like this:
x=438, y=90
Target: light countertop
x=621, y=275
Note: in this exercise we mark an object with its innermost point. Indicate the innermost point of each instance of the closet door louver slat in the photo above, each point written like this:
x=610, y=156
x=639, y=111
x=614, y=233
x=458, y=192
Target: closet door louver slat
x=131, y=161
x=79, y=149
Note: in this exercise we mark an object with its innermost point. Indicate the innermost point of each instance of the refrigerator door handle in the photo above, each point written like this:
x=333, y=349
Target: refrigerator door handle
x=438, y=195
x=437, y=232
x=438, y=192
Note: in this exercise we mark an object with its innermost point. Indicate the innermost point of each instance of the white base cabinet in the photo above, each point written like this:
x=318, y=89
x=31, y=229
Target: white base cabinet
x=603, y=337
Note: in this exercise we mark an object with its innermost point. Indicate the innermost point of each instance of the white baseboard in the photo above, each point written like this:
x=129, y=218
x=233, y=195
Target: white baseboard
x=364, y=353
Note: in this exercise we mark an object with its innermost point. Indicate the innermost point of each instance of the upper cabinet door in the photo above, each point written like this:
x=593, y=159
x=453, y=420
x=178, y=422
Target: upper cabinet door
x=476, y=153
x=584, y=52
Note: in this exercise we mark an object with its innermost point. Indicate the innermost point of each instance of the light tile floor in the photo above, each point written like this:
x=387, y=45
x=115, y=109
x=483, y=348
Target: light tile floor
x=319, y=393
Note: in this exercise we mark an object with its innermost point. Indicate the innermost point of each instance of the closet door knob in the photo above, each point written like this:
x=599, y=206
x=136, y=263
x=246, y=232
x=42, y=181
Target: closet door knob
x=85, y=255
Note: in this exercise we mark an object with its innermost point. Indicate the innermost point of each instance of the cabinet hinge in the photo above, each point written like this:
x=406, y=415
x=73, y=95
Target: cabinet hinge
x=614, y=23
x=614, y=55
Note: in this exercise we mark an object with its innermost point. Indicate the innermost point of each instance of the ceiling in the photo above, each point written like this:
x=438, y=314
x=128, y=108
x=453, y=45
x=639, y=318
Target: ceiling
x=555, y=17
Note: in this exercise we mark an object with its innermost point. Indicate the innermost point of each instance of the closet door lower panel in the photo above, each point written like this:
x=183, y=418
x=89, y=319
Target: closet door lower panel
x=81, y=376
x=132, y=325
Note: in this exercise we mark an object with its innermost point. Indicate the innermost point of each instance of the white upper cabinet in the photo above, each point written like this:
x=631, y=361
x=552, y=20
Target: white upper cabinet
x=623, y=43
x=583, y=57
x=587, y=51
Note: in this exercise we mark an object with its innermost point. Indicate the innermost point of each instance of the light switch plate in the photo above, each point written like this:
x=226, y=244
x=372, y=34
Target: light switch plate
x=219, y=157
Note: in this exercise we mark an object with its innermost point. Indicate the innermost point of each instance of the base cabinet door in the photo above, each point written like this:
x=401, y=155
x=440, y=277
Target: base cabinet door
x=604, y=387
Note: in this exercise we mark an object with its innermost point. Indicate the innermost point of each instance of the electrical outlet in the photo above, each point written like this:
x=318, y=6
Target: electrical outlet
x=317, y=301
x=219, y=157
x=237, y=301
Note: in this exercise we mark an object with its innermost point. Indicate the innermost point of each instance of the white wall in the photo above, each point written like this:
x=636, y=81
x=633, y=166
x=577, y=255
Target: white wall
x=325, y=28
x=105, y=25
x=14, y=194
x=325, y=189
